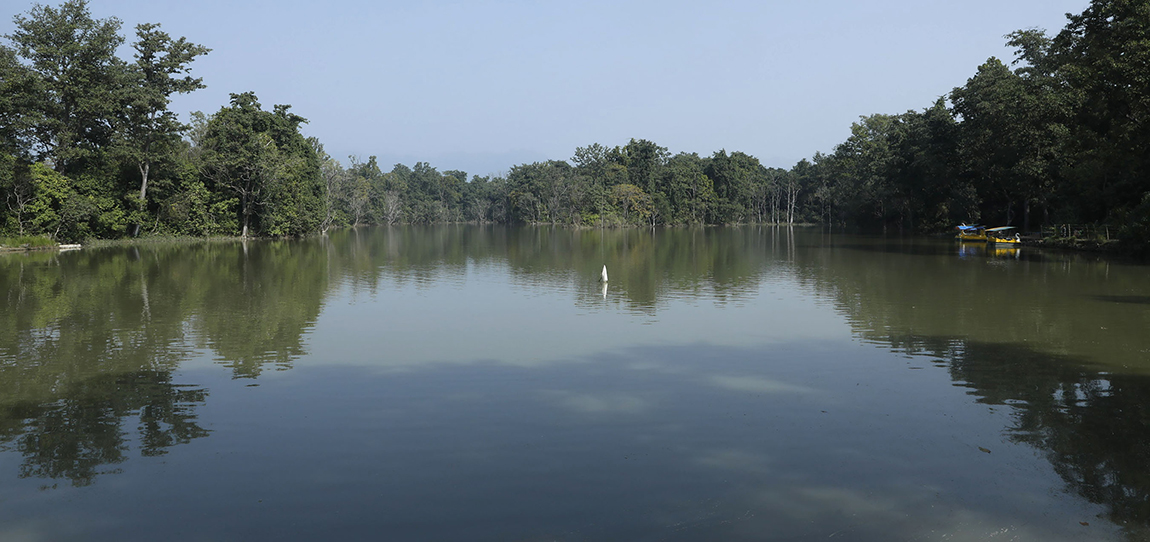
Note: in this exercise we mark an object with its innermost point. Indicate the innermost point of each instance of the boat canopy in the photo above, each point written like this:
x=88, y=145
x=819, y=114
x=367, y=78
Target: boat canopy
x=964, y=227
x=1002, y=228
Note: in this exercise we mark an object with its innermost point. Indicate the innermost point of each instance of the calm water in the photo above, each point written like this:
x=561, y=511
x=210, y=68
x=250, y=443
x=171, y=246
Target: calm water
x=467, y=383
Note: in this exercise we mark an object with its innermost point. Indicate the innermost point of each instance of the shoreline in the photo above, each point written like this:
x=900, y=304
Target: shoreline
x=1109, y=247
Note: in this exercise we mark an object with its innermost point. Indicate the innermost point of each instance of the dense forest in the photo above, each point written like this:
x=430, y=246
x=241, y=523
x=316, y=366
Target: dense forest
x=89, y=149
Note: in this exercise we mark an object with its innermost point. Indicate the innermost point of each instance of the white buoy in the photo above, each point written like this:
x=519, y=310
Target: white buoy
x=604, y=276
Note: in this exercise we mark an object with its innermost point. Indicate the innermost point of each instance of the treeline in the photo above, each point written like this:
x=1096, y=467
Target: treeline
x=636, y=184
x=88, y=148
x=1061, y=135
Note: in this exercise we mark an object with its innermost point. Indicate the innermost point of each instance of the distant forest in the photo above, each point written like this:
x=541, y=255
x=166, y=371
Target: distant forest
x=89, y=149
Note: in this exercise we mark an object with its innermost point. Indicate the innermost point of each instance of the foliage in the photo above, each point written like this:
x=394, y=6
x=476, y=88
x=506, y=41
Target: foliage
x=70, y=83
x=31, y=241
x=1058, y=136
x=151, y=131
x=261, y=159
x=89, y=148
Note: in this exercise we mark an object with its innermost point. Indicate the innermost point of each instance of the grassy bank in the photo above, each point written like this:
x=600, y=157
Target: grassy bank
x=26, y=242
x=154, y=240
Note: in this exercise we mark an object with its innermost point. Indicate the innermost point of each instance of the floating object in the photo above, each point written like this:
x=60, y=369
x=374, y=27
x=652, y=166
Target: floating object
x=70, y=247
x=971, y=233
x=1001, y=236
x=603, y=277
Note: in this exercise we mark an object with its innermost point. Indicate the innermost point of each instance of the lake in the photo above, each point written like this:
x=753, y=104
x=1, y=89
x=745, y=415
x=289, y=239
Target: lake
x=480, y=383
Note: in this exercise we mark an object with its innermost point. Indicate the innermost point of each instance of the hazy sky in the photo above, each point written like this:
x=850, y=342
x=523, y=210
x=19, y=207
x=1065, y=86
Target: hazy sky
x=482, y=86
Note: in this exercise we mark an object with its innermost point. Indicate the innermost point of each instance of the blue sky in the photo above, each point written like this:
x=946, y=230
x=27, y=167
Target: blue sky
x=482, y=86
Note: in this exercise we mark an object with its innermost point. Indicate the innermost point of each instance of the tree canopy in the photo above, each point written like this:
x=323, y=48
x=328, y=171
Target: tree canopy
x=89, y=148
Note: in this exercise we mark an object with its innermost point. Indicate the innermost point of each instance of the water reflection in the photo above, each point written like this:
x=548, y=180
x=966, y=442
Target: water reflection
x=83, y=433
x=1048, y=337
x=252, y=307
x=647, y=267
x=1092, y=426
x=1061, y=304
x=695, y=442
x=89, y=341
x=492, y=361
x=983, y=250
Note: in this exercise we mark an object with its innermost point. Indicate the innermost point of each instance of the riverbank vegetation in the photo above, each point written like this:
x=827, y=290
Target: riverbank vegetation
x=89, y=149
x=26, y=242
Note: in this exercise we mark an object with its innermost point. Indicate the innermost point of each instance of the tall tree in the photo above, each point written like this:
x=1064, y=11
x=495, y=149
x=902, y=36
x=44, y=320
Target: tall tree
x=1006, y=139
x=336, y=186
x=690, y=191
x=261, y=158
x=1104, y=55
x=733, y=176
x=78, y=79
x=541, y=192
x=644, y=161
x=151, y=131
x=363, y=179
x=19, y=94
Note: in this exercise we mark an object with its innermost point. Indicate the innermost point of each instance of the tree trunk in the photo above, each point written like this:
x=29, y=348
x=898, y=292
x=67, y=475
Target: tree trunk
x=145, y=167
x=247, y=216
x=1026, y=215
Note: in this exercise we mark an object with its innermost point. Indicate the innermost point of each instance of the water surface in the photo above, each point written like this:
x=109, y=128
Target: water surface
x=477, y=383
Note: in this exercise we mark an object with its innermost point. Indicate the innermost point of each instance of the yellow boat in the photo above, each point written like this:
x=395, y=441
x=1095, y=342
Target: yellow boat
x=971, y=233
x=1002, y=236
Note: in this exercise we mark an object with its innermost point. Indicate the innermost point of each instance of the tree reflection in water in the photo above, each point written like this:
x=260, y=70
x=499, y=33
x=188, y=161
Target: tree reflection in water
x=84, y=431
x=89, y=343
x=1060, y=338
x=1092, y=425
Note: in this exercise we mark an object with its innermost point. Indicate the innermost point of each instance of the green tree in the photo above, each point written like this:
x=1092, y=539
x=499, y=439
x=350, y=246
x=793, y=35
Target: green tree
x=19, y=94
x=541, y=192
x=1103, y=56
x=151, y=132
x=55, y=209
x=388, y=193
x=363, y=179
x=426, y=197
x=633, y=203
x=337, y=188
x=17, y=190
x=78, y=79
x=644, y=162
x=598, y=168
x=1007, y=139
x=690, y=191
x=928, y=193
x=734, y=177
x=272, y=170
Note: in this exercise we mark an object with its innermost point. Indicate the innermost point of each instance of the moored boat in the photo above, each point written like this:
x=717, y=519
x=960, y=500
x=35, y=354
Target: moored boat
x=973, y=233
x=1002, y=236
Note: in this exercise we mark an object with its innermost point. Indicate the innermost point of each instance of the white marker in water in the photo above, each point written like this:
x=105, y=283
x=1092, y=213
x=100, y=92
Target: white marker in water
x=604, y=276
